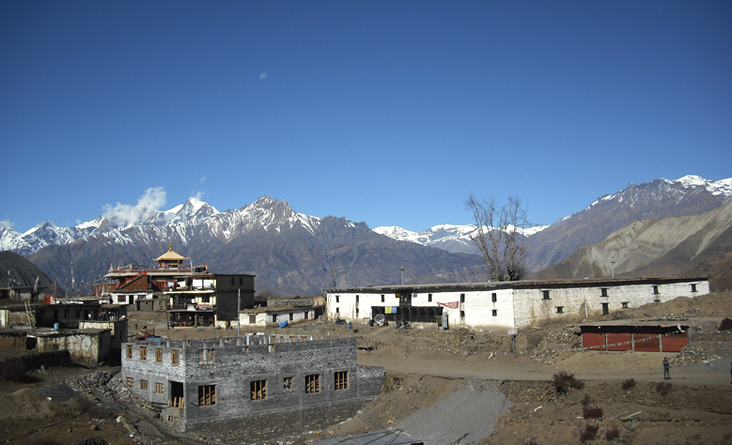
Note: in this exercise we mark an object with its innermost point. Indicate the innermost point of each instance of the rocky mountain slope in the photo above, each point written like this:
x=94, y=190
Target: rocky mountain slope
x=18, y=271
x=291, y=253
x=662, y=247
x=657, y=199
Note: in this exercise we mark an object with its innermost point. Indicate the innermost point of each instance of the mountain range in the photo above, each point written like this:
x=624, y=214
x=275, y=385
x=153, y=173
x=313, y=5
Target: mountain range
x=297, y=254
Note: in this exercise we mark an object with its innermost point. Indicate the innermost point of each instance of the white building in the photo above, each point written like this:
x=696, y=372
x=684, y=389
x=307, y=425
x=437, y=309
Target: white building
x=505, y=305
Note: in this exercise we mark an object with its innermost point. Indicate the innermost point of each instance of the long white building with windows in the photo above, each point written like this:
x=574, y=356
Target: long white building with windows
x=505, y=305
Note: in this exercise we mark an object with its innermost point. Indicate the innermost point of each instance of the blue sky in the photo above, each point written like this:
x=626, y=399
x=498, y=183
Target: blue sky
x=387, y=112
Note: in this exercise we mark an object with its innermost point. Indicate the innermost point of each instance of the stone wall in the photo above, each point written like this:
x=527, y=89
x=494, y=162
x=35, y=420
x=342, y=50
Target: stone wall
x=234, y=363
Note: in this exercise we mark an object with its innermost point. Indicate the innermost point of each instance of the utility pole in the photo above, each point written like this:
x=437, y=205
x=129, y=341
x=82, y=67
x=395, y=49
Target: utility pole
x=238, y=308
x=401, y=270
x=612, y=265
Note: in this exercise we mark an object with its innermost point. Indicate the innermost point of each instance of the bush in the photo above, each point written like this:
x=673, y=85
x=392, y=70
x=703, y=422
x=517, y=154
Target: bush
x=663, y=388
x=628, y=383
x=612, y=433
x=725, y=324
x=589, y=433
x=591, y=412
x=564, y=380
x=586, y=400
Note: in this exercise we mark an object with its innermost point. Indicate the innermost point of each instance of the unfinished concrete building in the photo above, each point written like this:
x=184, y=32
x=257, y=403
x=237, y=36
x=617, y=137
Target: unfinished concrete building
x=205, y=380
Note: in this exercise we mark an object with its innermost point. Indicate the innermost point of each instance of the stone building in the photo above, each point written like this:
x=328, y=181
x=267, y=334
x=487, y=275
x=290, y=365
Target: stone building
x=207, y=380
x=507, y=304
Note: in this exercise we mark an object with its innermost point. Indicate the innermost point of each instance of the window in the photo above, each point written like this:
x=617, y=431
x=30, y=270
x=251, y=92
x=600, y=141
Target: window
x=205, y=298
x=207, y=395
x=312, y=384
x=287, y=383
x=462, y=314
x=429, y=297
x=143, y=352
x=258, y=389
x=560, y=309
x=159, y=355
x=603, y=292
x=495, y=312
x=462, y=298
x=356, y=312
x=159, y=388
x=241, y=281
x=338, y=310
x=494, y=297
x=252, y=319
x=129, y=351
x=175, y=357
x=207, y=356
x=382, y=298
x=624, y=304
x=545, y=295
x=130, y=382
x=340, y=380
x=143, y=385
x=693, y=287
x=655, y=290
x=356, y=298
x=232, y=281
x=121, y=298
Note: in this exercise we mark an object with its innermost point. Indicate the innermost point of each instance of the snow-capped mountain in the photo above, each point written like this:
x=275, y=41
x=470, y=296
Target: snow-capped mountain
x=453, y=238
x=289, y=252
x=657, y=199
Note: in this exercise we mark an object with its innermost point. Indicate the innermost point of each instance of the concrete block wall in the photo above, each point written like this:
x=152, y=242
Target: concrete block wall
x=240, y=360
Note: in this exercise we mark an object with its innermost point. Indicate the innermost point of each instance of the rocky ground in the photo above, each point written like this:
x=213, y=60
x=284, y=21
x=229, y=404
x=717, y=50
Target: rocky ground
x=456, y=386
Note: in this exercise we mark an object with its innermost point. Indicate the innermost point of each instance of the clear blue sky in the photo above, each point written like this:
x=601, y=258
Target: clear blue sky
x=388, y=112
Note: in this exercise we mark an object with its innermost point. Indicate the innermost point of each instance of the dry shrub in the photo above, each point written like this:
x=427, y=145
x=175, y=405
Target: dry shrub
x=612, y=433
x=628, y=383
x=563, y=381
x=589, y=432
x=725, y=324
x=591, y=412
x=586, y=400
x=663, y=388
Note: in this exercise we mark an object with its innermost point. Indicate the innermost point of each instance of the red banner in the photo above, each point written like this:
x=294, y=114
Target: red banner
x=451, y=305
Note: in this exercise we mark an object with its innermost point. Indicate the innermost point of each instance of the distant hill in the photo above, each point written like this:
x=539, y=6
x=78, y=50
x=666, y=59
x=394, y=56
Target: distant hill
x=699, y=244
x=654, y=200
x=22, y=272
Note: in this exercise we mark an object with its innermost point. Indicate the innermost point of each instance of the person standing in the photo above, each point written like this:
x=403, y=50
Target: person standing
x=666, y=369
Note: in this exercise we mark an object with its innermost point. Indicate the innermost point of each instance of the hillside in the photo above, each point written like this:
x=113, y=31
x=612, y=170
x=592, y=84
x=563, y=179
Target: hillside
x=690, y=244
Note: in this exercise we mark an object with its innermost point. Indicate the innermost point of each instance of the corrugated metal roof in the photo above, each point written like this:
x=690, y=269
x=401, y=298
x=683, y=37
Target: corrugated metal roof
x=383, y=437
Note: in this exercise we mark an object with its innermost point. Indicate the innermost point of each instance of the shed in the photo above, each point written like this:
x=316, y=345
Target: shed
x=635, y=335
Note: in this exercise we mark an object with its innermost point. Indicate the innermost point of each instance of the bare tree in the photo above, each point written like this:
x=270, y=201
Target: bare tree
x=499, y=236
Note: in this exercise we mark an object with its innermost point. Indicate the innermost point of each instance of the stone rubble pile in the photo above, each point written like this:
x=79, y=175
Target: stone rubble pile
x=692, y=354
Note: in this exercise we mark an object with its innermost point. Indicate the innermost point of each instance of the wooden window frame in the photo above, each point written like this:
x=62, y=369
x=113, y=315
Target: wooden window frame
x=159, y=388
x=130, y=382
x=129, y=351
x=143, y=385
x=208, y=356
x=340, y=380
x=287, y=383
x=158, y=355
x=143, y=353
x=207, y=395
x=258, y=389
x=312, y=383
x=175, y=357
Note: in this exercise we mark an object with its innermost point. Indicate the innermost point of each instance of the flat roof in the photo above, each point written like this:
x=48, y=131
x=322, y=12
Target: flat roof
x=523, y=284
